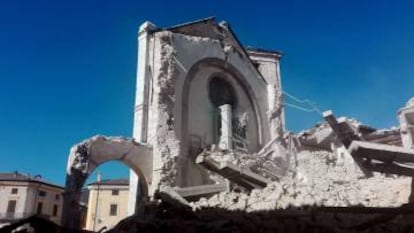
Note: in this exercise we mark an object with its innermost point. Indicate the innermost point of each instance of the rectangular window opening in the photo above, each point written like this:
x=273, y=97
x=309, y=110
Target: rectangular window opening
x=115, y=192
x=14, y=190
x=11, y=206
x=113, y=210
x=55, y=210
x=39, y=208
x=42, y=193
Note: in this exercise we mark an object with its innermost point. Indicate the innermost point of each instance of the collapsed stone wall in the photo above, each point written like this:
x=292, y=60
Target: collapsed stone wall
x=320, y=178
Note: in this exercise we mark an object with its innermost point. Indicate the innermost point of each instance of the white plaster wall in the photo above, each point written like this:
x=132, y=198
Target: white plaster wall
x=31, y=198
x=201, y=110
x=154, y=48
x=27, y=199
x=20, y=197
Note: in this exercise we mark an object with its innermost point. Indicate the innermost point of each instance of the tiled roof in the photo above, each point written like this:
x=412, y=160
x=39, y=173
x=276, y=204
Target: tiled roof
x=16, y=176
x=112, y=182
x=13, y=176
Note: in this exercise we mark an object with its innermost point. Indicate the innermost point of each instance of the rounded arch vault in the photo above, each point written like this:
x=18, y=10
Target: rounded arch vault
x=209, y=83
x=228, y=73
x=86, y=156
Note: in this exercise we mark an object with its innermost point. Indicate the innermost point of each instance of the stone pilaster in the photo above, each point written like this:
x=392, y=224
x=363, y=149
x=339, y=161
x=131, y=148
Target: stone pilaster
x=141, y=102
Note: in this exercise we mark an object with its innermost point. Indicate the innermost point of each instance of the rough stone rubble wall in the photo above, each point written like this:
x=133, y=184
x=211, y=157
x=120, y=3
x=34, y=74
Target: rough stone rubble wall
x=321, y=179
x=170, y=70
x=165, y=145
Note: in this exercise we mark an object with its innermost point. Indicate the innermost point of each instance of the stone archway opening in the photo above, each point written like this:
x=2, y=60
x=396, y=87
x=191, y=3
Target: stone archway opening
x=105, y=196
x=86, y=156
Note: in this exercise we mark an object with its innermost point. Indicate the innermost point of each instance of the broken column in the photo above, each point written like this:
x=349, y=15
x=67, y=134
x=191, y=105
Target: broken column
x=226, y=142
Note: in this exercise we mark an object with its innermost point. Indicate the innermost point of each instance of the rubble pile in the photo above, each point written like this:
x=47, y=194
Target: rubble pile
x=321, y=178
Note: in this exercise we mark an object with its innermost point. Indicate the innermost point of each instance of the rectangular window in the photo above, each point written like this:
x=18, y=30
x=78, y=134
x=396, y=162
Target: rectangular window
x=11, y=207
x=55, y=210
x=113, y=210
x=42, y=193
x=115, y=192
x=14, y=191
x=39, y=208
x=57, y=196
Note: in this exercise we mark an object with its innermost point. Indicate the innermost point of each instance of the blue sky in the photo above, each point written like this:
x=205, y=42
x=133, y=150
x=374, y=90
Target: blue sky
x=67, y=68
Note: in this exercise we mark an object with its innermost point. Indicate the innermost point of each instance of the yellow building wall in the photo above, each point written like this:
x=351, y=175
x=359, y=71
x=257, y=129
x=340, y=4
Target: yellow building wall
x=99, y=204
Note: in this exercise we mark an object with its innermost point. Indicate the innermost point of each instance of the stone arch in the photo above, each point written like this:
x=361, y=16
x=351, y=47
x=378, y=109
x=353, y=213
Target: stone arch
x=86, y=156
x=232, y=75
x=226, y=68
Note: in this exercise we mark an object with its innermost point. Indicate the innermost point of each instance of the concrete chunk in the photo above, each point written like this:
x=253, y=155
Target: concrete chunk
x=201, y=190
x=240, y=176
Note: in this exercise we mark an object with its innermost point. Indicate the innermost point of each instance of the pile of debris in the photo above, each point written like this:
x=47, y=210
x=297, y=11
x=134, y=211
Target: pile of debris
x=333, y=164
x=322, y=137
x=321, y=178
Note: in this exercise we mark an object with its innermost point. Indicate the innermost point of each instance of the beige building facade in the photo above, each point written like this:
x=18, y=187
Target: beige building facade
x=23, y=196
x=107, y=203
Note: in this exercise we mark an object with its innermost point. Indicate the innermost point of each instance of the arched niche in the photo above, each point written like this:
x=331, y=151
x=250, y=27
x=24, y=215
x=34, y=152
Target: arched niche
x=198, y=106
x=86, y=156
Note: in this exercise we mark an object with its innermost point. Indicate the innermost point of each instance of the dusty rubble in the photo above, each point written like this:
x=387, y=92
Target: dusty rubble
x=321, y=179
x=302, y=175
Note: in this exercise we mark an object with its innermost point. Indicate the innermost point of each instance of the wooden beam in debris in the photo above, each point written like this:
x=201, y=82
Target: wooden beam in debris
x=341, y=128
x=235, y=174
x=384, y=158
x=391, y=168
x=346, y=135
x=372, y=156
x=382, y=152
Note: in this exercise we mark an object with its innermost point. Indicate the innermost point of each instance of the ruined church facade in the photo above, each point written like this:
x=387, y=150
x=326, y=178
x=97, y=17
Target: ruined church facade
x=198, y=87
x=209, y=122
